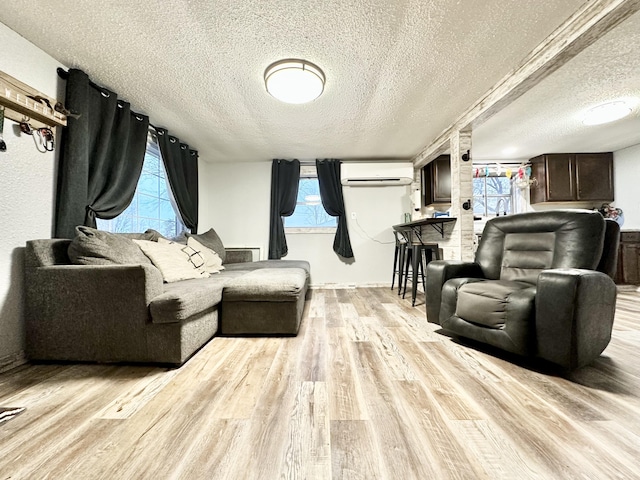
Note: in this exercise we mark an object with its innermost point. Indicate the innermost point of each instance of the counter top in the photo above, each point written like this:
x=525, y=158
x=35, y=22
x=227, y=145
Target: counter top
x=436, y=222
x=424, y=221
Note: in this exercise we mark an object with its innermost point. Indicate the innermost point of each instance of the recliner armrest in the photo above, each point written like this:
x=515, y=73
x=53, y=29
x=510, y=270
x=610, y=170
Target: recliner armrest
x=574, y=315
x=438, y=272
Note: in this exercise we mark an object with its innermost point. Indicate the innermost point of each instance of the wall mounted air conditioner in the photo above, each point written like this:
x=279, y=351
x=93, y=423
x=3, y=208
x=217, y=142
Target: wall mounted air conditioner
x=376, y=174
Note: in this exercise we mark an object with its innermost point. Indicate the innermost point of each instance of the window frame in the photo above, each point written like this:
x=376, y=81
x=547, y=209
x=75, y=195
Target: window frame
x=509, y=197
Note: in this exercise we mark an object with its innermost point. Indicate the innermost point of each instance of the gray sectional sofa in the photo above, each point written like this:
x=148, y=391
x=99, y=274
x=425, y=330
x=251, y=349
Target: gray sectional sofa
x=126, y=313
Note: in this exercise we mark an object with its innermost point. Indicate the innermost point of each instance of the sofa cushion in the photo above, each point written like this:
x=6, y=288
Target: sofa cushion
x=149, y=234
x=212, y=261
x=175, y=261
x=210, y=239
x=97, y=247
x=181, y=300
x=492, y=303
x=267, y=285
x=261, y=264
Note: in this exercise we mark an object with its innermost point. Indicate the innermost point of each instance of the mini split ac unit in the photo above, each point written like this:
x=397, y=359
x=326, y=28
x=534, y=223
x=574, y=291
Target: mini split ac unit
x=376, y=174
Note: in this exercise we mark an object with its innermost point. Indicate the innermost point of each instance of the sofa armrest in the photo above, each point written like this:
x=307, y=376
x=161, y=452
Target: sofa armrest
x=438, y=272
x=574, y=315
x=88, y=312
x=239, y=255
x=96, y=282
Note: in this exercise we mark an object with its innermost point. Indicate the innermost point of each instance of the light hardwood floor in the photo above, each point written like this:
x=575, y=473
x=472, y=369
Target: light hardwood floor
x=368, y=389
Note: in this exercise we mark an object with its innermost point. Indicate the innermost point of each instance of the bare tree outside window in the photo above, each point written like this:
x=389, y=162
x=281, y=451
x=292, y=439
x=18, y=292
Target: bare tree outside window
x=309, y=212
x=492, y=196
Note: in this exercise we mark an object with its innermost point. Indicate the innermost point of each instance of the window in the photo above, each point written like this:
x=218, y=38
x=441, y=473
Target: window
x=492, y=196
x=152, y=205
x=309, y=212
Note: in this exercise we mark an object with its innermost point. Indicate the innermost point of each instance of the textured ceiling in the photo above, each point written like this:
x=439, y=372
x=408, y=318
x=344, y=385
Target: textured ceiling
x=548, y=118
x=398, y=72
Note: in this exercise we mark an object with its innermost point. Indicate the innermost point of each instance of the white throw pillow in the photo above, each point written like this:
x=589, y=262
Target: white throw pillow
x=212, y=261
x=175, y=261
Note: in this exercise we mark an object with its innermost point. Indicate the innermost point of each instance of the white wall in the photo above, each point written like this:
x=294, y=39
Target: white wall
x=626, y=177
x=234, y=199
x=26, y=189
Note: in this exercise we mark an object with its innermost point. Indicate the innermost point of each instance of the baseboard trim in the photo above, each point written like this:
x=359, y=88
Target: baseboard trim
x=628, y=288
x=12, y=361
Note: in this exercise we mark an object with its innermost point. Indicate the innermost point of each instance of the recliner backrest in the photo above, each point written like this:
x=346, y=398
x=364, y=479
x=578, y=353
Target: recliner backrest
x=609, y=259
x=518, y=247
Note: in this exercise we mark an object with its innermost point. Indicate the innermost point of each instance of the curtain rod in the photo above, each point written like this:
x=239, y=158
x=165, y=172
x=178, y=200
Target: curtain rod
x=64, y=74
x=364, y=160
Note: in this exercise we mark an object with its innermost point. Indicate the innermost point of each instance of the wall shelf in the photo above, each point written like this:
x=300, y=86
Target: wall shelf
x=15, y=97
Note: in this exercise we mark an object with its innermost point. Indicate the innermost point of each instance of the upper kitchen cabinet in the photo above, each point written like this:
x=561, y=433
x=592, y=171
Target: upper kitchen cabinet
x=572, y=177
x=436, y=181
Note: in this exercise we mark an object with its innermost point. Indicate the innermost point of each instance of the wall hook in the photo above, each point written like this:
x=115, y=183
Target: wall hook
x=466, y=156
x=467, y=205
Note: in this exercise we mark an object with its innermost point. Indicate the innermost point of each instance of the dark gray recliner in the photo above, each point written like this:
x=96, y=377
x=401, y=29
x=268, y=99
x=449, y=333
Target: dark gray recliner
x=541, y=285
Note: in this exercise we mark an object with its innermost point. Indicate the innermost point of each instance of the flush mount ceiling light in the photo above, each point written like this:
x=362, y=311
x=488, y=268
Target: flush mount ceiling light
x=607, y=112
x=294, y=81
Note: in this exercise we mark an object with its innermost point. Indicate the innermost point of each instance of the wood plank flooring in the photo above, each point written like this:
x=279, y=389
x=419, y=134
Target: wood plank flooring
x=367, y=390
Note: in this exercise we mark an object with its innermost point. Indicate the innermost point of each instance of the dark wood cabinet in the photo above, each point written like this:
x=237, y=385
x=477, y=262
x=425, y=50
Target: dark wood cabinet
x=436, y=181
x=628, y=271
x=572, y=177
x=594, y=176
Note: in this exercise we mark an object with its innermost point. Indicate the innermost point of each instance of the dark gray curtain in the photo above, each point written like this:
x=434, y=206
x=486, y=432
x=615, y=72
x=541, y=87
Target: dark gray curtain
x=333, y=203
x=285, y=179
x=101, y=159
x=181, y=165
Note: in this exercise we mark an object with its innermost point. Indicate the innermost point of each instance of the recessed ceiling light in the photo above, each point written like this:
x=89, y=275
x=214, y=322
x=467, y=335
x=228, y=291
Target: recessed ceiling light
x=509, y=150
x=607, y=112
x=294, y=81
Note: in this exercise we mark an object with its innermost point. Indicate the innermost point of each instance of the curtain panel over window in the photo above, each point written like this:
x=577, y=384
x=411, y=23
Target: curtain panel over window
x=333, y=203
x=101, y=159
x=181, y=165
x=285, y=178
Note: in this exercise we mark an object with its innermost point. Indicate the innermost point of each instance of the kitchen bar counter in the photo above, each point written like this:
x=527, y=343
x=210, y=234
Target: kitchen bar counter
x=409, y=230
x=415, y=226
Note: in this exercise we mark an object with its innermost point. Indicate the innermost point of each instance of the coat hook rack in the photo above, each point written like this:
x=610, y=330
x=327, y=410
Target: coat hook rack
x=22, y=100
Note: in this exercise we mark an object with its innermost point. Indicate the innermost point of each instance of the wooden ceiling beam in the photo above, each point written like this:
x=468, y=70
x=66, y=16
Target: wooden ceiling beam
x=593, y=20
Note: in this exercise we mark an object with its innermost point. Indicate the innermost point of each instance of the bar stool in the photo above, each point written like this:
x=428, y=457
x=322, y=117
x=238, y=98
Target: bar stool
x=418, y=255
x=398, y=259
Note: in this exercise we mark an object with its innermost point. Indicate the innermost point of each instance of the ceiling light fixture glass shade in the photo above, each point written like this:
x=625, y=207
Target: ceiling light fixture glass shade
x=294, y=81
x=607, y=112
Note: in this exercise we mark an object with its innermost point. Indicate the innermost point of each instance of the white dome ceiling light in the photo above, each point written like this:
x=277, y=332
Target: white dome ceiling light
x=607, y=112
x=294, y=81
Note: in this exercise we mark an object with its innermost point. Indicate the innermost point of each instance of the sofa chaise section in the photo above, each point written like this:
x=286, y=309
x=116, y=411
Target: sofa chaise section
x=265, y=301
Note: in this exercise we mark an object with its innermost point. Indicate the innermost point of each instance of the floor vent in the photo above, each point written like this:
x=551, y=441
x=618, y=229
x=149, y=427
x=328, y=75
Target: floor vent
x=7, y=414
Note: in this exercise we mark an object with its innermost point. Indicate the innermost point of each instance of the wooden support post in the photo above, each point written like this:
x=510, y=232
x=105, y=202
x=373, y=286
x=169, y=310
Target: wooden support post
x=461, y=243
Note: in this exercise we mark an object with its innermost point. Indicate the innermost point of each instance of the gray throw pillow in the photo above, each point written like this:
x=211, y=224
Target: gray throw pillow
x=181, y=238
x=150, y=234
x=96, y=247
x=210, y=239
